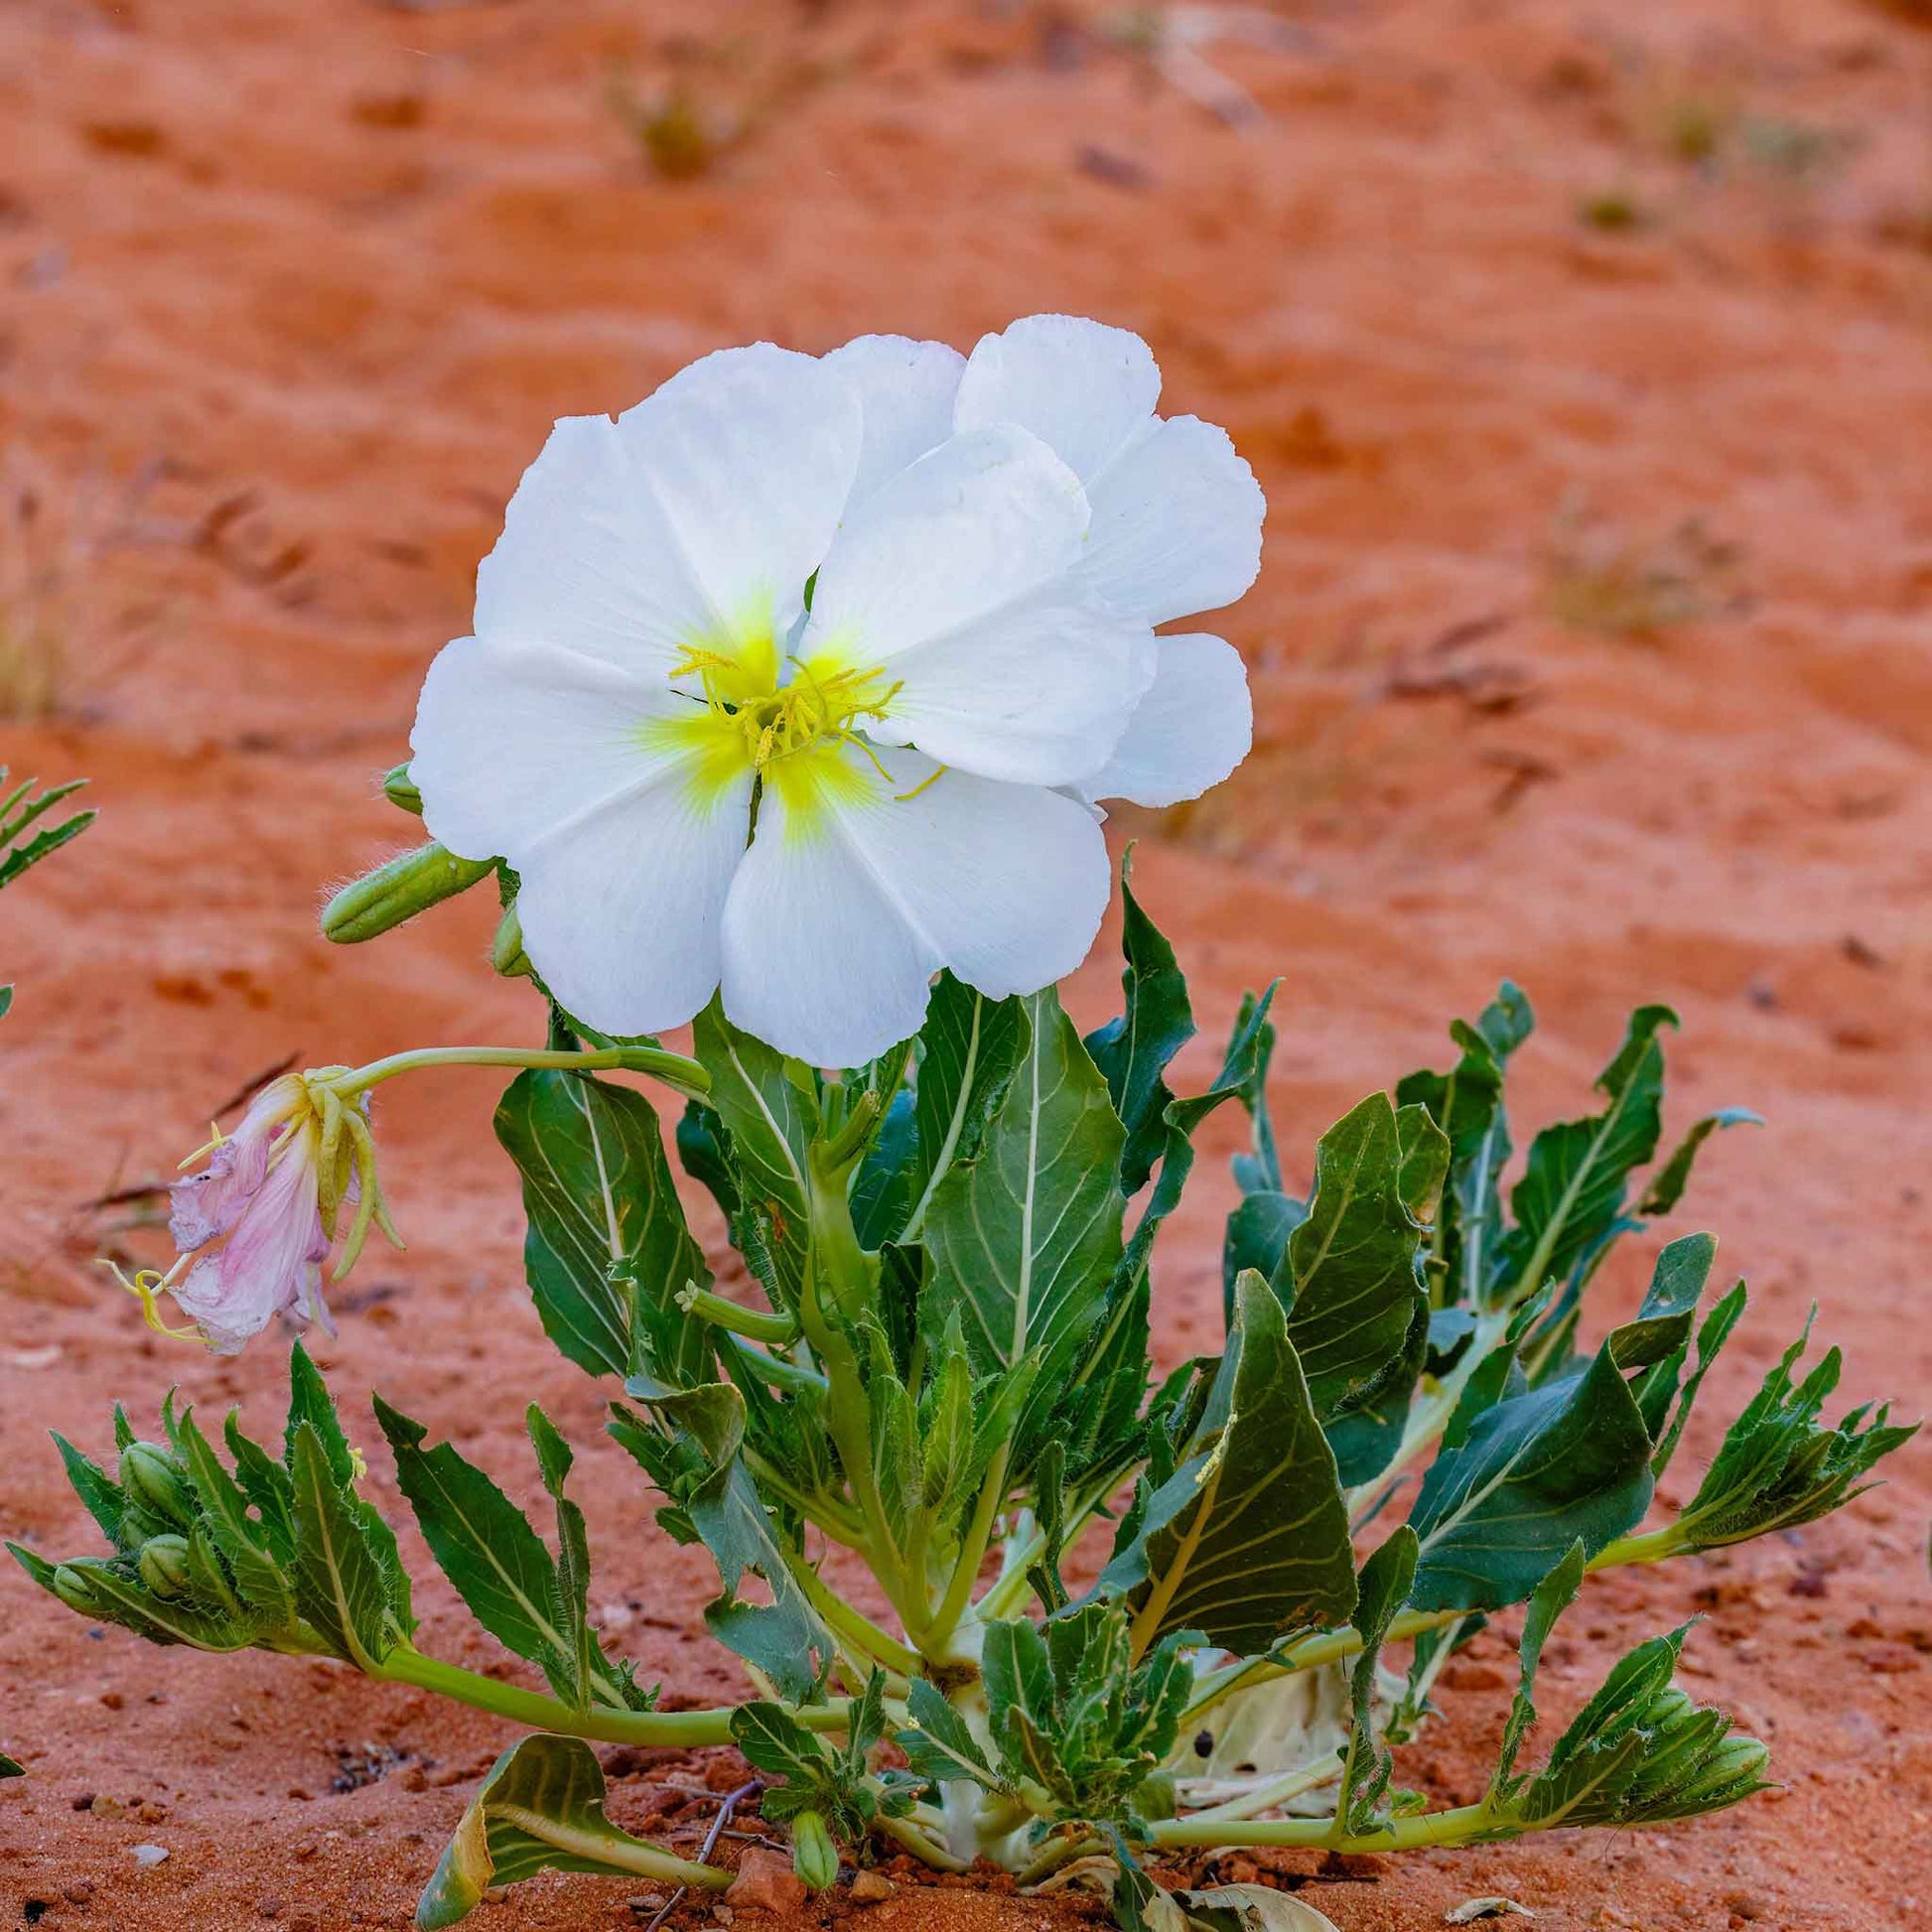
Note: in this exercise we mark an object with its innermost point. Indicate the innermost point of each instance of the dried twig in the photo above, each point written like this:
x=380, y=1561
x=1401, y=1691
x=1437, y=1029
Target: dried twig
x=733, y=1799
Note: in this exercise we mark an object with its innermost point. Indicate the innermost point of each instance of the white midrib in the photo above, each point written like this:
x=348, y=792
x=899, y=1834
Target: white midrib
x=1024, y=1292
x=955, y=1127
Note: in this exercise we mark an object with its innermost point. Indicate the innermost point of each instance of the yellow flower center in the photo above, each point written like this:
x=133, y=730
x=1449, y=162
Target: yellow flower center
x=824, y=704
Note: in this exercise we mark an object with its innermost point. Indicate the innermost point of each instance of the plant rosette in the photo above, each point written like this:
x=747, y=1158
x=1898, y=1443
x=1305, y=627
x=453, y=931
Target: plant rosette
x=791, y=701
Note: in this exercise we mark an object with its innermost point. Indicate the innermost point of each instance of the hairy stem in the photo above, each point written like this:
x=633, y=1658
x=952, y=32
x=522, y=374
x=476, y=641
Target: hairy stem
x=1457, y=1827
x=673, y=1068
x=760, y=1324
x=922, y=1846
x=681, y=1729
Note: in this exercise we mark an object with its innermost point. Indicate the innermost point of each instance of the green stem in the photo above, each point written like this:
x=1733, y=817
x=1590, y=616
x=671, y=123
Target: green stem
x=673, y=1068
x=678, y=1729
x=1461, y=1826
x=876, y=1645
x=760, y=1324
x=972, y=1553
x=815, y=1505
x=1658, y=1545
x=904, y=1832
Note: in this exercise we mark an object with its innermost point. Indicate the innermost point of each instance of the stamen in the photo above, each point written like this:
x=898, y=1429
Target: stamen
x=925, y=785
x=146, y=1288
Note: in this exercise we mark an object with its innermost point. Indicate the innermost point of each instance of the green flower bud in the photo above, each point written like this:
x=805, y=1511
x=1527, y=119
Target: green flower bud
x=400, y=791
x=157, y=1483
x=164, y=1565
x=506, y=954
x=814, y=1858
x=71, y=1586
x=383, y=899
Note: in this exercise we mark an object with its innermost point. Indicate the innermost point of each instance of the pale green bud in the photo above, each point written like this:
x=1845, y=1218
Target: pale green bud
x=383, y=899
x=506, y=954
x=156, y=1483
x=70, y=1586
x=400, y=791
x=164, y=1565
x=814, y=1858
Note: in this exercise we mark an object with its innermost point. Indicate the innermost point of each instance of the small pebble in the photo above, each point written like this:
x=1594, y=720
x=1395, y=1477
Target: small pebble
x=83, y=1801
x=150, y=1855
x=645, y=1904
x=305, y=1850
x=871, y=1888
x=1747, y=1904
x=413, y=1778
x=78, y=1893
x=270, y=1907
x=112, y=1699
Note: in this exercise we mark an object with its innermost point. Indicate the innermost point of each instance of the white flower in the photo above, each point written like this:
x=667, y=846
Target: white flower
x=703, y=784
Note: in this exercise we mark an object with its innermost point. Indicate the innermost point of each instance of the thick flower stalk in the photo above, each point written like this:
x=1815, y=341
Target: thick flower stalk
x=800, y=679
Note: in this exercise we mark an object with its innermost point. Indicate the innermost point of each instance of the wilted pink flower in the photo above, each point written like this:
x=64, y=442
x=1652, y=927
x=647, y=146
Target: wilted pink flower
x=254, y=1226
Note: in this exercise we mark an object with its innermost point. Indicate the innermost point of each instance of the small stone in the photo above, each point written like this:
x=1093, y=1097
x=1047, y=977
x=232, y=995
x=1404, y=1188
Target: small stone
x=301, y=1796
x=766, y=1882
x=646, y=1904
x=721, y=1915
x=723, y=1774
x=871, y=1888
x=152, y=1812
x=497, y=1894
x=413, y=1778
x=1746, y=1904
x=105, y=1807
x=147, y=1855
x=78, y=1893
x=270, y=1907
x=112, y=1699
x=83, y=1801
x=303, y=1852
x=445, y=1775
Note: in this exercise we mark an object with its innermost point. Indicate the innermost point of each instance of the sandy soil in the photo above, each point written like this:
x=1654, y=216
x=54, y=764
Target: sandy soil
x=1485, y=291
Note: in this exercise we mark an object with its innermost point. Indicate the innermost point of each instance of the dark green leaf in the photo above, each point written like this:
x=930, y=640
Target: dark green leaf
x=1548, y=1602
x=1367, y=1767
x=1538, y=1471
x=1357, y=1289
x=1777, y=1467
x=1666, y=1184
x=606, y=1252
x=1133, y=1051
x=1249, y=1537
x=339, y=1583
x=939, y=1746
x=1571, y=1196
x=1026, y=1237
x=969, y=1047
x=257, y=1569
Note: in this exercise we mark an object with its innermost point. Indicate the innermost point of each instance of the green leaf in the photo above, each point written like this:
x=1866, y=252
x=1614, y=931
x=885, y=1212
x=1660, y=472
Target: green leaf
x=486, y=1548
x=833, y=1785
x=100, y=1494
x=1387, y=1580
x=969, y=1047
x=1249, y=1537
x=1640, y=1753
x=770, y=1112
x=1777, y=1467
x=1662, y=1329
x=571, y=1591
x=1571, y=1198
x=1357, y=1286
x=938, y=1746
x=9, y=1768
x=1666, y=1184
x=1133, y=1051
x=1256, y=1237
x=882, y=1188
x=704, y=1150
x=1026, y=1237
x=1565, y=1462
x=340, y=1586
x=691, y=1451
x=18, y=811
x=1711, y=1336
x=1548, y=1602
x=607, y=1251
x=541, y=1808
x=258, y=1572
x=1260, y=1170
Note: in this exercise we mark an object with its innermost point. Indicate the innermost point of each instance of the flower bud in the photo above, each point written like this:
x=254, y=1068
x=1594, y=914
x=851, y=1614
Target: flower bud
x=71, y=1586
x=814, y=1858
x=164, y=1565
x=400, y=791
x=386, y=897
x=156, y=1483
x=506, y=954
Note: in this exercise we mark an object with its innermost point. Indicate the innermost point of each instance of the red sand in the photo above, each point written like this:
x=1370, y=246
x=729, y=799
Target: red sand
x=336, y=266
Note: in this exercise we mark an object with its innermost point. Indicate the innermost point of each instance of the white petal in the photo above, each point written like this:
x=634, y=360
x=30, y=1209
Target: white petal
x=697, y=516
x=906, y=389
x=513, y=741
x=852, y=895
x=1083, y=389
x=1177, y=524
x=620, y=910
x=954, y=578
x=1192, y=728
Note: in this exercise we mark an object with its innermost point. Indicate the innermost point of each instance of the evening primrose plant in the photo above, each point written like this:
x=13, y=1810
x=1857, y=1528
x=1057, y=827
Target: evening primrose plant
x=791, y=701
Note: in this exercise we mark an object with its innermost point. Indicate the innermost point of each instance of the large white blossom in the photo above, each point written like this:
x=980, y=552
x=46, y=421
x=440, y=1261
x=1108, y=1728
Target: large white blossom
x=796, y=679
